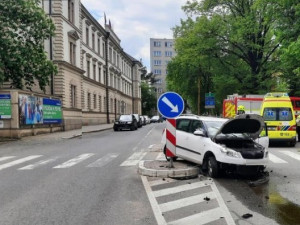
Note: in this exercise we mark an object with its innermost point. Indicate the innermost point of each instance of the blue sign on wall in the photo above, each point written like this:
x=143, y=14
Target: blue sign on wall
x=170, y=105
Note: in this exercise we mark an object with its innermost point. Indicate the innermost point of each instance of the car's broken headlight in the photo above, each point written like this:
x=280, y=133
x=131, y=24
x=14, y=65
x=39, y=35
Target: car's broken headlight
x=230, y=152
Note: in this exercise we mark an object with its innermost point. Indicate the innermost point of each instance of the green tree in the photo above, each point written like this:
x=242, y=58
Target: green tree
x=24, y=28
x=235, y=47
x=148, y=99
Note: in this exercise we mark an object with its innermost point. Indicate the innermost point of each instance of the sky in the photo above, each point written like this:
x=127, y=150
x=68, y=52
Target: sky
x=136, y=21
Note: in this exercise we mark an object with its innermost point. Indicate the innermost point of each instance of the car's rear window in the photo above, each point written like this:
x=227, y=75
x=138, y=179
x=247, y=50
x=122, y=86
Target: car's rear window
x=125, y=117
x=278, y=114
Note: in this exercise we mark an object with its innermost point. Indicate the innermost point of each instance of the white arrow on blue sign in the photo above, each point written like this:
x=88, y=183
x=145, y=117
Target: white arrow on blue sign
x=170, y=105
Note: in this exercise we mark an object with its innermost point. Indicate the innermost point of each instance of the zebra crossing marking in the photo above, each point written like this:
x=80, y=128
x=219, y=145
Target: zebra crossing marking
x=174, y=190
x=18, y=161
x=200, y=218
x=273, y=158
x=37, y=164
x=6, y=158
x=168, y=206
x=74, y=161
x=134, y=159
x=291, y=154
x=104, y=160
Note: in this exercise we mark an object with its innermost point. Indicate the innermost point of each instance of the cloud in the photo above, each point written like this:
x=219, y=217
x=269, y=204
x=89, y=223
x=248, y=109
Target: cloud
x=136, y=21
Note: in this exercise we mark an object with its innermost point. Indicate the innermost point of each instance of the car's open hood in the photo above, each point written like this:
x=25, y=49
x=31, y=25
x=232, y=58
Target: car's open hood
x=251, y=124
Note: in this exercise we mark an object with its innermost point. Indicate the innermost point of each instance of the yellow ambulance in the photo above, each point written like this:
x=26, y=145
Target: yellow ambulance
x=278, y=113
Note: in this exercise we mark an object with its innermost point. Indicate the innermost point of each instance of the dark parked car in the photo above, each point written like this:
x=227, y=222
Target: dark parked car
x=139, y=120
x=127, y=122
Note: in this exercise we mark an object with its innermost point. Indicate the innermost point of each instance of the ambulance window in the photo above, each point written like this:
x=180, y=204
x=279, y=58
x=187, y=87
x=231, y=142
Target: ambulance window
x=285, y=114
x=269, y=114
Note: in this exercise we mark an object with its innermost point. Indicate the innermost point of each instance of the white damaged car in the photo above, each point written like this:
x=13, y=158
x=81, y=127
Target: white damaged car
x=219, y=145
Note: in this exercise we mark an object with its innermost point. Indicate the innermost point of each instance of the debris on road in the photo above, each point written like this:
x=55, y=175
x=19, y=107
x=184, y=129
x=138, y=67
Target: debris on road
x=247, y=215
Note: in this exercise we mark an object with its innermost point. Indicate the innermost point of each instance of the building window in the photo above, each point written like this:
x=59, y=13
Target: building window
x=157, y=53
x=168, y=44
x=159, y=81
x=72, y=53
x=94, y=71
x=89, y=100
x=111, y=105
x=95, y=101
x=157, y=72
x=157, y=62
x=159, y=90
x=104, y=102
x=88, y=65
x=87, y=35
x=115, y=58
x=99, y=45
x=104, y=77
x=167, y=62
x=93, y=41
x=100, y=103
x=156, y=44
x=71, y=10
x=103, y=49
x=73, y=96
x=99, y=74
x=168, y=53
x=110, y=55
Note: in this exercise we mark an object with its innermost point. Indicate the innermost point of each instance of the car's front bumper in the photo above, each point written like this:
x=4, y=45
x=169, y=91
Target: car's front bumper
x=123, y=126
x=241, y=161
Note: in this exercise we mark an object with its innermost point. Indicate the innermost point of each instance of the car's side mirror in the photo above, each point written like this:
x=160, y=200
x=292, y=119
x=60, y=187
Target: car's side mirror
x=199, y=133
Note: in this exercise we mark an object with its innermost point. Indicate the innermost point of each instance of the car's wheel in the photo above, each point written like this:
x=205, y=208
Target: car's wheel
x=292, y=143
x=115, y=129
x=212, y=167
x=132, y=128
x=167, y=157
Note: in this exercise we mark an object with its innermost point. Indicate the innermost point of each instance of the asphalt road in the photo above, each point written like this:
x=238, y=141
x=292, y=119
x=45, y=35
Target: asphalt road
x=92, y=188
x=93, y=180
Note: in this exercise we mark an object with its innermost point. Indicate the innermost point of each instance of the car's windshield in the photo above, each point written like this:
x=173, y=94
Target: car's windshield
x=125, y=118
x=213, y=127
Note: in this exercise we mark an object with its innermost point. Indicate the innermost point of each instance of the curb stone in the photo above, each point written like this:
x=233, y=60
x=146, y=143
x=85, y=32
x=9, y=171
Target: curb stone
x=192, y=171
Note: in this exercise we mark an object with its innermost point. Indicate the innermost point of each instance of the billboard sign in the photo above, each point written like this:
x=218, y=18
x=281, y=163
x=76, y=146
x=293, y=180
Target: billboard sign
x=5, y=106
x=38, y=110
x=52, y=111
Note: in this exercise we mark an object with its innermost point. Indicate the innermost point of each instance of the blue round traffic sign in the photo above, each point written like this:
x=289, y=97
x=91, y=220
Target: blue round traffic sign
x=170, y=105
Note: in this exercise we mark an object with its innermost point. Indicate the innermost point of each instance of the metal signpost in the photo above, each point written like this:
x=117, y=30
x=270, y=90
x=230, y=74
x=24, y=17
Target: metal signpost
x=170, y=105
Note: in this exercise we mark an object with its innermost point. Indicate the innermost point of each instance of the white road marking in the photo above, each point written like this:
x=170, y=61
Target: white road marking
x=156, y=210
x=178, y=189
x=6, y=158
x=134, y=159
x=161, y=181
x=168, y=206
x=18, y=161
x=222, y=205
x=37, y=164
x=150, y=146
x=291, y=154
x=200, y=218
x=74, y=161
x=275, y=159
x=104, y=160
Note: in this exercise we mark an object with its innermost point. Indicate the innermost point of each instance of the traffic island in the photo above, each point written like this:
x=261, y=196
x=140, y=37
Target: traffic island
x=159, y=168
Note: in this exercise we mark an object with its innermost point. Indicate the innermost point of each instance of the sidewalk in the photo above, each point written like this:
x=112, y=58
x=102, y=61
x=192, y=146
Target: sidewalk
x=65, y=134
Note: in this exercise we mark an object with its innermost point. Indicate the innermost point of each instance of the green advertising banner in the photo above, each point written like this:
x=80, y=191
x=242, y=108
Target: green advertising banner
x=52, y=111
x=5, y=106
